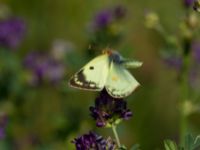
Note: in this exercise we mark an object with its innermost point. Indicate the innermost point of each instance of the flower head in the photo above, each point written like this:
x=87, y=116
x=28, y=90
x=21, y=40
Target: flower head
x=11, y=32
x=188, y=3
x=196, y=51
x=103, y=19
x=196, y=5
x=3, y=124
x=90, y=140
x=43, y=68
x=173, y=61
x=106, y=17
x=93, y=141
x=109, y=110
x=151, y=20
x=194, y=75
x=192, y=21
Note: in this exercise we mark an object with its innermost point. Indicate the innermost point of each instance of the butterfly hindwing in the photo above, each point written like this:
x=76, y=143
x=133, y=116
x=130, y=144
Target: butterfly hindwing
x=93, y=75
x=120, y=83
x=131, y=64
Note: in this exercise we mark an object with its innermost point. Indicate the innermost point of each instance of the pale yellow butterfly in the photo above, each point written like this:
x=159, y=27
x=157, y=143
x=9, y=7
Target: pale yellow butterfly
x=107, y=71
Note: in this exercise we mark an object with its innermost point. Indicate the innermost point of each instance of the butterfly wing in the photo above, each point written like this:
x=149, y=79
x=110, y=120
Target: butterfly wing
x=132, y=64
x=93, y=75
x=120, y=83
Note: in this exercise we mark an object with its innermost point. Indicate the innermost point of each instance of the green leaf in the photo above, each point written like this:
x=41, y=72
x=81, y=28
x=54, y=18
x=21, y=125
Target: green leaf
x=196, y=145
x=189, y=141
x=192, y=143
x=122, y=148
x=170, y=145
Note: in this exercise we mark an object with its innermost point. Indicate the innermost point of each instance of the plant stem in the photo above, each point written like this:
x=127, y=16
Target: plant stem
x=185, y=99
x=183, y=124
x=116, y=135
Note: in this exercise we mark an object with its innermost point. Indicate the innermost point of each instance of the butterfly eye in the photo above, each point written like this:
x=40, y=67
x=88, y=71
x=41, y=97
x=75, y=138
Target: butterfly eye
x=91, y=68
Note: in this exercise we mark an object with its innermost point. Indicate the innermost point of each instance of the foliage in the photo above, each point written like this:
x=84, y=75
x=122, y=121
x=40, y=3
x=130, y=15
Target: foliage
x=191, y=143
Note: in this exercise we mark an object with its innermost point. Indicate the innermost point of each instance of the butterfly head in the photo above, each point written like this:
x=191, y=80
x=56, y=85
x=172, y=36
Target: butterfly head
x=107, y=51
x=113, y=55
x=116, y=57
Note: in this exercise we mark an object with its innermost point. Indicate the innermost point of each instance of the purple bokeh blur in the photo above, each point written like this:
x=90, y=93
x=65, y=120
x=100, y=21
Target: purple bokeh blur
x=12, y=32
x=44, y=68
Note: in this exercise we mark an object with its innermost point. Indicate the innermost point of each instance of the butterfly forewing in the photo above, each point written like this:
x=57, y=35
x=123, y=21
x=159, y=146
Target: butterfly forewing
x=93, y=75
x=120, y=83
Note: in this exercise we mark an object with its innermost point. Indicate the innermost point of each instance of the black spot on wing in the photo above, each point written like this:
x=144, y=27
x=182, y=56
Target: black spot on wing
x=79, y=81
x=91, y=68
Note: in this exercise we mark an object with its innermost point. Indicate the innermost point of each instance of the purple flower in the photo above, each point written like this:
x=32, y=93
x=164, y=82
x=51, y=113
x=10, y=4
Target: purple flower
x=106, y=17
x=173, y=61
x=109, y=110
x=111, y=144
x=93, y=141
x=90, y=141
x=188, y=3
x=194, y=75
x=103, y=19
x=196, y=51
x=44, y=68
x=3, y=124
x=2, y=133
x=55, y=71
x=12, y=31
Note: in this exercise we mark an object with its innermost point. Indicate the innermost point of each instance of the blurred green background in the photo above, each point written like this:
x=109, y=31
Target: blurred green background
x=49, y=116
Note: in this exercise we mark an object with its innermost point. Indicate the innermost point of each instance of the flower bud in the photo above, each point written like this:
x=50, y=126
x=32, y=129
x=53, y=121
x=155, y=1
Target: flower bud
x=196, y=5
x=151, y=20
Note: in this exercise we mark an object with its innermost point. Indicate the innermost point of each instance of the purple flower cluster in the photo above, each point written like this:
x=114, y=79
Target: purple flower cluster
x=196, y=51
x=188, y=3
x=174, y=62
x=105, y=17
x=93, y=141
x=90, y=140
x=109, y=110
x=12, y=31
x=3, y=124
x=44, y=68
x=194, y=73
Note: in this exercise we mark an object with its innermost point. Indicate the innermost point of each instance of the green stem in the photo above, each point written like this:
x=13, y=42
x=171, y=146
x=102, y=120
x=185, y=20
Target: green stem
x=116, y=135
x=185, y=98
x=183, y=124
x=161, y=31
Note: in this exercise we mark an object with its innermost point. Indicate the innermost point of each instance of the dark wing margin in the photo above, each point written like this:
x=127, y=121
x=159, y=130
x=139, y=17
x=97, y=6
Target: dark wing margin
x=79, y=81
